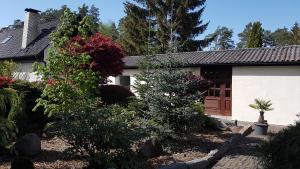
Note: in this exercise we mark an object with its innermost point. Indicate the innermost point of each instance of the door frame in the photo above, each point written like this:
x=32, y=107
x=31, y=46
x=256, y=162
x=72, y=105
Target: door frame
x=218, y=98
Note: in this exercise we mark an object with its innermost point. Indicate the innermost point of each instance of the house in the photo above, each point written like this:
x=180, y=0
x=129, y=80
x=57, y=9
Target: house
x=239, y=75
x=26, y=45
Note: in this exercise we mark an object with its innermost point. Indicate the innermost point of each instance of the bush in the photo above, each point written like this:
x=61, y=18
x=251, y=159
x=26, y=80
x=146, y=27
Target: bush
x=12, y=108
x=16, y=104
x=282, y=150
x=106, y=134
x=31, y=91
x=172, y=97
x=7, y=68
x=8, y=132
x=115, y=94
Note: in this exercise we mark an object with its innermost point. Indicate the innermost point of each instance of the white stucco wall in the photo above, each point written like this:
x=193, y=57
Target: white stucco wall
x=280, y=84
x=133, y=72
x=25, y=71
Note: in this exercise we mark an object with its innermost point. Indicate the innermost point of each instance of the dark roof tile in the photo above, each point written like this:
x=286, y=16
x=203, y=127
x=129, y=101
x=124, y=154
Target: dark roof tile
x=253, y=56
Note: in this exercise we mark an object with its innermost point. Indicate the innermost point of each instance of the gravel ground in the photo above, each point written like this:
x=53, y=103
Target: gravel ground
x=184, y=149
x=52, y=157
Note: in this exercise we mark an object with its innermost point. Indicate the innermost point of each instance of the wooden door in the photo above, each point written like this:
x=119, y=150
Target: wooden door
x=218, y=97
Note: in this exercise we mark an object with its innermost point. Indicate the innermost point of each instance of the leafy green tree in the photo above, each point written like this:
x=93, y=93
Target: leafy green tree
x=171, y=22
x=295, y=40
x=7, y=68
x=244, y=36
x=68, y=84
x=267, y=38
x=52, y=14
x=255, y=39
x=109, y=30
x=18, y=23
x=281, y=37
x=222, y=39
x=83, y=11
x=94, y=13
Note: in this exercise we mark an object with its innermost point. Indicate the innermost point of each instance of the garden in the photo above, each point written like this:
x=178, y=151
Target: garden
x=73, y=119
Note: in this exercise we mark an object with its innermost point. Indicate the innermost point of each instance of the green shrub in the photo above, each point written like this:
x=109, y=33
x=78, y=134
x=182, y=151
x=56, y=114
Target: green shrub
x=8, y=132
x=282, y=150
x=7, y=68
x=106, y=134
x=172, y=96
x=114, y=94
x=12, y=108
x=31, y=91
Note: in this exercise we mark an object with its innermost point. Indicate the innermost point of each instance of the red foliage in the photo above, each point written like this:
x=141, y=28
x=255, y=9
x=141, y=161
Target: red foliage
x=5, y=81
x=106, y=55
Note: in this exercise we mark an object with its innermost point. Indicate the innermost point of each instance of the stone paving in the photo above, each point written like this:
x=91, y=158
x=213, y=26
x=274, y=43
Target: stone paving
x=243, y=156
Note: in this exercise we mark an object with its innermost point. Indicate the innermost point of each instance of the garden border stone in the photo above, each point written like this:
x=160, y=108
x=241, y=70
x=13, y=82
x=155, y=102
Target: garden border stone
x=213, y=155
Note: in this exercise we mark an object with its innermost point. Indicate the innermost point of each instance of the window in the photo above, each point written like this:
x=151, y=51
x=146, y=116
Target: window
x=125, y=81
x=6, y=39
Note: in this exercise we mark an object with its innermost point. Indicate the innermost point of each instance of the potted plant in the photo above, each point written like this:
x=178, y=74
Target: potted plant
x=261, y=126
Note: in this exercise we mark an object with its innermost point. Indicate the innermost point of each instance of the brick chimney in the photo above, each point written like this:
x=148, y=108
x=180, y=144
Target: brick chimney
x=31, y=26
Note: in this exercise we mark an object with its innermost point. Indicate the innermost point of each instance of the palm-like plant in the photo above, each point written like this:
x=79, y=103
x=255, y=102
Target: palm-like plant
x=262, y=106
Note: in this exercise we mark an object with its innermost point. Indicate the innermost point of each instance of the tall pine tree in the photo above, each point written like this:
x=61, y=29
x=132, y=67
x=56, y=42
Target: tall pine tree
x=222, y=39
x=295, y=40
x=134, y=30
x=172, y=23
x=255, y=39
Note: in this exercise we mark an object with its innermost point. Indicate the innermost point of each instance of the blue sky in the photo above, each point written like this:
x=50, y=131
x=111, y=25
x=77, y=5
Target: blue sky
x=234, y=14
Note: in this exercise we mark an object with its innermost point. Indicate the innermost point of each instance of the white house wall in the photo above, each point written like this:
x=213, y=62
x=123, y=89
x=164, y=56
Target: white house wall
x=133, y=72
x=280, y=84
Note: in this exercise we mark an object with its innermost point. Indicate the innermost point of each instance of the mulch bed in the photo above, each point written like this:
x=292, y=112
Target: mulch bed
x=182, y=150
x=190, y=148
x=52, y=157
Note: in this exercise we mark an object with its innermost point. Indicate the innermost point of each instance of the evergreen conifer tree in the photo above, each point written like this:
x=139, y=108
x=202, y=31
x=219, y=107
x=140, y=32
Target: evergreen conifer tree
x=181, y=19
x=255, y=39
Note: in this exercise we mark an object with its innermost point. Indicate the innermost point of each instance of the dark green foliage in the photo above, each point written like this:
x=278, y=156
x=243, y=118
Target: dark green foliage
x=282, y=151
x=222, y=39
x=264, y=36
x=8, y=134
x=16, y=104
x=162, y=25
x=12, y=108
x=31, y=91
x=134, y=25
x=281, y=37
x=244, y=36
x=284, y=36
x=109, y=30
x=115, y=94
x=52, y=14
x=98, y=130
x=255, y=39
x=22, y=163
x=55, y=14
x=171, y=98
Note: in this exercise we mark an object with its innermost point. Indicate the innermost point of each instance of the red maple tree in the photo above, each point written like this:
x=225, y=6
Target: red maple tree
x=5, y=81
x=106, y=56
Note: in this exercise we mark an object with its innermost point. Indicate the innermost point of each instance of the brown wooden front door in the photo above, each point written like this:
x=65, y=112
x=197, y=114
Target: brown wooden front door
x=218, y=97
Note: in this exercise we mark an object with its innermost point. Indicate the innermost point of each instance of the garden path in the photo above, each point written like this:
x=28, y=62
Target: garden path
x=244, y=155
